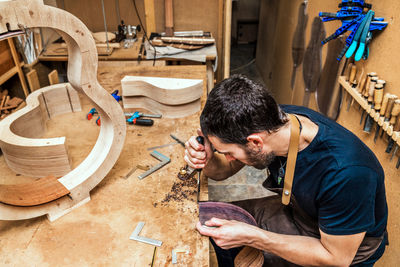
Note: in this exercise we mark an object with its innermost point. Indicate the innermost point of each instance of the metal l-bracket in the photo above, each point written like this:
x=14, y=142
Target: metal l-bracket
x=135, y=236
x=164, y=161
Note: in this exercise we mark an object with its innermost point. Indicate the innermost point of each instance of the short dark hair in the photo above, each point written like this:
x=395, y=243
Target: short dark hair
x=238, y=107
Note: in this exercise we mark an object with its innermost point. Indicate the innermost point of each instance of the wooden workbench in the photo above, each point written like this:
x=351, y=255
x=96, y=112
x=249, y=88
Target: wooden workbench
x=98, y=232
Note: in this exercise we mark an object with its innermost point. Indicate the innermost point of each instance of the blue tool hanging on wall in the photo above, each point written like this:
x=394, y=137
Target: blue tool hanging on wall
x=359, y=23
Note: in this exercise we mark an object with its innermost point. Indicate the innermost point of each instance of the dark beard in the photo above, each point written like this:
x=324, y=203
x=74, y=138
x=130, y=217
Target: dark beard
x=259, y=160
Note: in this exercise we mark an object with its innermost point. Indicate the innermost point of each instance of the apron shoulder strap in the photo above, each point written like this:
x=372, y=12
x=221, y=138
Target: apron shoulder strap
x=291, y=160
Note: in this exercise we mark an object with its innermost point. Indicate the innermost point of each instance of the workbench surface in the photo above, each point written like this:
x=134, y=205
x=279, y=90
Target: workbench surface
x=97, y=233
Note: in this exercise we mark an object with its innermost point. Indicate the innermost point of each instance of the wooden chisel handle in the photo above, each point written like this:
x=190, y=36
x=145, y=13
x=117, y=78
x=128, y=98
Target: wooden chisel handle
x=371, y=89
x=395, y=111
x=362, y=84
x=384, y=104
x=378, y=96
x=353, y=72
x=347, y=72
x=396, y=127
x=389, y=107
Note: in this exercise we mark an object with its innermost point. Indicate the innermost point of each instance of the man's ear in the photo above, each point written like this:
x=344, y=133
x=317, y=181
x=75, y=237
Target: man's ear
x=255, y=142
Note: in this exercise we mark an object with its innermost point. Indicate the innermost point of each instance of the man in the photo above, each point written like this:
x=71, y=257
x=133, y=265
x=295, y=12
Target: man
x=337, y=214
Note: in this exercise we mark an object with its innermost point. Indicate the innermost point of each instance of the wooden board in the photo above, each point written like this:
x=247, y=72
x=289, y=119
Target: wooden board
x=82, y=69
x=33, y=80
x=53, y=77
x=169, y=91
x=38, y=192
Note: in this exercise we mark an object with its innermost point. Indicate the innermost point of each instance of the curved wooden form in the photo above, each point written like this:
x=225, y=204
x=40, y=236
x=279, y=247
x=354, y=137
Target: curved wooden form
x=169, y=91
x=167, y=111
x=24, y=152
x=82, y=71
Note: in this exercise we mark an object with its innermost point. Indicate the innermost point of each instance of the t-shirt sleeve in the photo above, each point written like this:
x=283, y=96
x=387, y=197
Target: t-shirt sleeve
x=347, y=201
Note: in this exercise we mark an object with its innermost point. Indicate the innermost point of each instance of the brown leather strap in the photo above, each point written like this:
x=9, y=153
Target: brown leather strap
x=291, y=160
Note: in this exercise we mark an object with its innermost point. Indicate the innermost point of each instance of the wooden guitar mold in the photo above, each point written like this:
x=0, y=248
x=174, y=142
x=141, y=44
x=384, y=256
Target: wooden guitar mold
x=169, y=91
x=82, y=71
x=24, y=152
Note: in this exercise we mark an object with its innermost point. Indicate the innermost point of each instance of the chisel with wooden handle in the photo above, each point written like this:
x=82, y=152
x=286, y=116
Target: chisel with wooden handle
x=388, y=111
x=381, y=115
x=368, y=119
x=396, y=129
x=395, y=112
x=353, y=83
x=365, y=91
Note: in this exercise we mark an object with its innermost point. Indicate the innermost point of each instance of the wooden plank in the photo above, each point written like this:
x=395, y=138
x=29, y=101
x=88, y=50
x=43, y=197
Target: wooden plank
x=169, y=17
x=11, y=72
x=53, y=77
x=150, y=16
x=18, y=65
x=33, y=80
x=40, y=191
x=6, y=61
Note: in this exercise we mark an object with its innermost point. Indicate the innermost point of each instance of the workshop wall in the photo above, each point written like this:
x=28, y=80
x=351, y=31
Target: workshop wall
x=278, y=19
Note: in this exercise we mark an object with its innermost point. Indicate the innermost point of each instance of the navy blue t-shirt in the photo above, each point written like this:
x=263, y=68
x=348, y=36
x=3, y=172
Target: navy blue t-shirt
x=338, y=180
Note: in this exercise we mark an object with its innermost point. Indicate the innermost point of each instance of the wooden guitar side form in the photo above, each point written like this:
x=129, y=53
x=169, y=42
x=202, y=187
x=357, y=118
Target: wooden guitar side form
x=82, y=71
x=169, y=91
x=24, y=152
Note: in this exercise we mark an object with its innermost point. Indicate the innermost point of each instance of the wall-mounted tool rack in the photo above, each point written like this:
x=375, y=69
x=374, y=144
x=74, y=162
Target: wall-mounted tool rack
x=385, y=125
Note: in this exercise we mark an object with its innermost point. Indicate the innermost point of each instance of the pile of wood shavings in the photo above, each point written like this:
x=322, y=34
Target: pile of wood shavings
x=180, y=191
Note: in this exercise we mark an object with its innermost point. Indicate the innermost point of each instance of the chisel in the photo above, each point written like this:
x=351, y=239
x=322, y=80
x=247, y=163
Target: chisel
x=365, y=91
x=353, y=83
x=388, y=111
x=378, y=97
x=368, y=119
x=395, y=112
x=381, y=115
x=396, y=128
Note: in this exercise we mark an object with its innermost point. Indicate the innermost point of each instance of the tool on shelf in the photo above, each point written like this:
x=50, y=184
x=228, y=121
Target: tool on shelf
x=135, y=236
x=394, y=114
x=389, y=108
x=164, y=160
x=396, y=128
x=380, y=108
x=371, y=90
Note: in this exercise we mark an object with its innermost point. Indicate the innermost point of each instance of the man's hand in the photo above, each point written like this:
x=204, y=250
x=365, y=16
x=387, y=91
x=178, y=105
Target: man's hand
x=197, y=155
x=228, y=233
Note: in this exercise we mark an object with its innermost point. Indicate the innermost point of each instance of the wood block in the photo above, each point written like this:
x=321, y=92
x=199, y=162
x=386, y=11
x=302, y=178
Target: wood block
x=33, y=80
x=169, y=91
x=53, y=77
x=167, y=111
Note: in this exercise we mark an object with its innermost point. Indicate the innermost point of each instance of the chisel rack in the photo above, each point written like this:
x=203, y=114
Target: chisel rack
x=385, y=125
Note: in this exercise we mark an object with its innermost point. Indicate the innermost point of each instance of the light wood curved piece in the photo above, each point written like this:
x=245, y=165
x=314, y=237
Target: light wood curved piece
x=24, y=152
x=82, y=71
x=38, y=192
x=169, y=91
x=167, y=111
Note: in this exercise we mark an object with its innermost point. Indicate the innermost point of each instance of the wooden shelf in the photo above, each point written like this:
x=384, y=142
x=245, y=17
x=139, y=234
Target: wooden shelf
x=386, y=126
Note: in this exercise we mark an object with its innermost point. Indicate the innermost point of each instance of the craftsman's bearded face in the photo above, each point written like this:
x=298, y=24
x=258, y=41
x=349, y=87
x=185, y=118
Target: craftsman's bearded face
x=259, y=159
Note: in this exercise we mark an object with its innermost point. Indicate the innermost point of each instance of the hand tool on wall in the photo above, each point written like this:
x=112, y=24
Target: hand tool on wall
x=164, y=160
x=328, y=89
x=361, y=25
x=388, y=110
x=353, y=82
x=394, y=114
x=396, y=129
x=368, y=119
x=298, y=40
x=312, y=60
x=366, y=91
x=381, y=115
